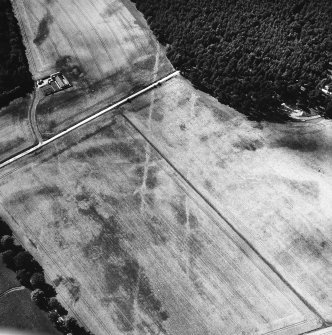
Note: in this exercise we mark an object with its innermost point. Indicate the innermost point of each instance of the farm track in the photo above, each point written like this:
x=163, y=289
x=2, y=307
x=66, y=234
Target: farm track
x=13, y=289
x=81, y=123
x=32, y=116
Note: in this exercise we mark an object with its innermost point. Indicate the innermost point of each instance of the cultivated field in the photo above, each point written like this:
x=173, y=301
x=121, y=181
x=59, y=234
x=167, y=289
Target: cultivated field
x=104, y=47
x=132, y=249
x=16, y=309
x=272, y=182
x=15, y=132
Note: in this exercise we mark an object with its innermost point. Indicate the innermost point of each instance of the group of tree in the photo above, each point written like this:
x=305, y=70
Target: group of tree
x=15, y=78
x=252, y=55
x=31, y=275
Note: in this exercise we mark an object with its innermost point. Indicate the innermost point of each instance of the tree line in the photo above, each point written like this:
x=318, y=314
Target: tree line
x=31, y=275
x=15, y=78
x=253, y=55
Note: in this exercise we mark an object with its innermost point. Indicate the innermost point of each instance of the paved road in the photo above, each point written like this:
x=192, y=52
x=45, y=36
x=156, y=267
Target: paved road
x=41, y=143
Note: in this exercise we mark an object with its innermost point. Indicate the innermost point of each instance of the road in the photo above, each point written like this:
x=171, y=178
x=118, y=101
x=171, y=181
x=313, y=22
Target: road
x=41, y=143
x=32, y=115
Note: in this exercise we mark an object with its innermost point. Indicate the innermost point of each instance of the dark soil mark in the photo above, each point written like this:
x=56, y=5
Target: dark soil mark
x=158, y=230
x=114, y=202
x=7, y=146
x=139, y=20
x=193, y=221
x=157, y=116
x=195, y=246
x=17, y=109
x=73, y=286
x=208, y=184
x=111, y=9
x=183, y=126
x=151, y=179
x=180, y=212
x=204, y=138
x=125, y=279
x=33, y=243
x=302, y=143
x=125, y=314
x=24, y=196
x=139, y=173
x=307, y=188
x=219, y=115
x=127, y=151
x=69, y=67
x=313, y=247
x=248, y=144
x=57, y=281
x=109, y=238
x=123, y=150
x=43, y=29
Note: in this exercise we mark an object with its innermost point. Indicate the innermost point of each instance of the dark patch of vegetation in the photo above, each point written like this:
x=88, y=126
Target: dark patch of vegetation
x=297, y=143
x=15, y=78
x=69, y=67
x=31, y=275
x=125, y=278
x=43, y=29
x=180, y=212
x=253, y=55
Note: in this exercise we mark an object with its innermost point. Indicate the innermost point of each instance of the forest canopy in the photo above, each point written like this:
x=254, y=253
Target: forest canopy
x=250, y=54
x=15, y=78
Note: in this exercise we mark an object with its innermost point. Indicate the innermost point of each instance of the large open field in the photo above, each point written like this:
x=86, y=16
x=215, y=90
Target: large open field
x=272, y=182
x=172, y=214
x=15, y=132
x=105, y=49
x=16, y=309
x=133, y=249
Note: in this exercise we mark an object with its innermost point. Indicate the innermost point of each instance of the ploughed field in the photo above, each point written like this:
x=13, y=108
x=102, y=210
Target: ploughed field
x=104, y=48
x=132, y=248
x=172, y=214
x=271, y=182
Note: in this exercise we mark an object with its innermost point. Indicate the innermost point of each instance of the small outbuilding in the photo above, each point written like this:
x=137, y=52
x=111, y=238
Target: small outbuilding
x=53, y=83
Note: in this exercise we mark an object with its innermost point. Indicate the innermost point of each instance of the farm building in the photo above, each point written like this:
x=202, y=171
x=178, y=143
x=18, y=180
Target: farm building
x=54, y=83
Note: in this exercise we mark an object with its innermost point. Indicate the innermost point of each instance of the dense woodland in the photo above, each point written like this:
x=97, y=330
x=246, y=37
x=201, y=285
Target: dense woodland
x=15, y=78
x=250, y=54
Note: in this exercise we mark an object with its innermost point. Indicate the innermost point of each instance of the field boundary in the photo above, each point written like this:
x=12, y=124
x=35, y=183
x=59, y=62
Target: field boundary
x=320, y=331
x=88, y=119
